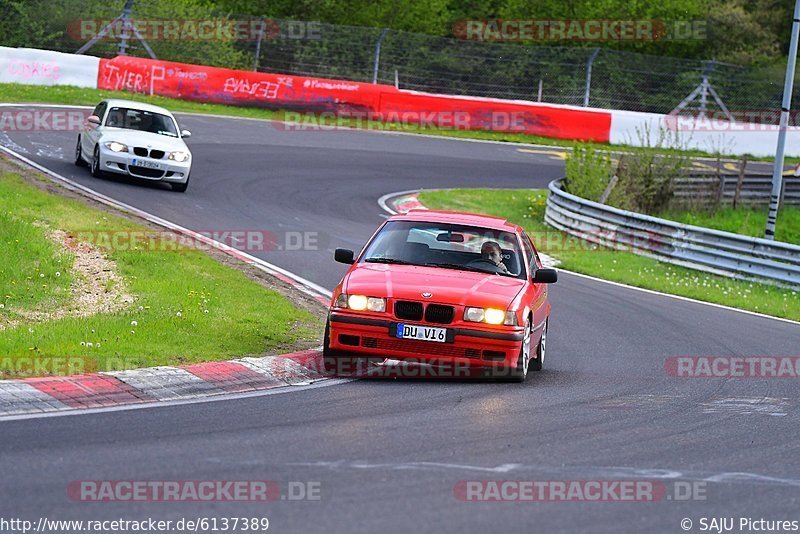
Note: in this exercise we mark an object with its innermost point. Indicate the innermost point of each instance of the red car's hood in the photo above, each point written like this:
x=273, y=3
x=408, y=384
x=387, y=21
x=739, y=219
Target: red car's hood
x=408, y=282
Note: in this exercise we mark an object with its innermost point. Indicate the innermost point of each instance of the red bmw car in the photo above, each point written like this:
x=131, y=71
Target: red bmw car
x=443, y=288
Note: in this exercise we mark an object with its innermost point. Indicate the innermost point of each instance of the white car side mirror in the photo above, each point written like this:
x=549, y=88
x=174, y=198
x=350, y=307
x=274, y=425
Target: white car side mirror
x=186, y=133
x=93, y=119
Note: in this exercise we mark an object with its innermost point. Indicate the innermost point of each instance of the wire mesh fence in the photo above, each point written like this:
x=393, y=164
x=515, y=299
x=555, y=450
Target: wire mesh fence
x=581, y=75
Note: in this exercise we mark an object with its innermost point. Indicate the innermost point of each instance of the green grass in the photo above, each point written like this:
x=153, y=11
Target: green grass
x=526, y=208
x=188, y=308
x=746, y=221
x=68, y=95
x=34, y=273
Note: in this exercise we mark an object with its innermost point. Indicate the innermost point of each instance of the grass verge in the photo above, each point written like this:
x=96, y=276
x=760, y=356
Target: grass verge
x=68, y=95
x=526, y=207
x=182, y=306
x=748, y=221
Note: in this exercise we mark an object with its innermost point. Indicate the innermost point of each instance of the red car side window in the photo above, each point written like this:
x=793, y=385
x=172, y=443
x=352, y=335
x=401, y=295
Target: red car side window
x=533, y=259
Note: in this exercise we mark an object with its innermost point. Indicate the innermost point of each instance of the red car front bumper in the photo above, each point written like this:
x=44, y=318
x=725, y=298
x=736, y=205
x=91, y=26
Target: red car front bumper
x=470, y=347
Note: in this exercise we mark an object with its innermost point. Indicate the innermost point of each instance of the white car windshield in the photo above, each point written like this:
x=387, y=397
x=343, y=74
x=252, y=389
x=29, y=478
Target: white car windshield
x=144, y=121
x=449, y=246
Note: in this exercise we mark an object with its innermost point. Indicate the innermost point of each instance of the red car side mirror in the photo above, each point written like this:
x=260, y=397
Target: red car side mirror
x=545, y=276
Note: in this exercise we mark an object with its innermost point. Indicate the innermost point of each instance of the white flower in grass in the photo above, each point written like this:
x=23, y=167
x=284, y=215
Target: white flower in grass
x=134, y=323
x=58, y=274
x=2, y=306
x=133, y=331
x=205, y=311
x=83, y=343
x=178, y=314
x=41, y=275
x=89, y=344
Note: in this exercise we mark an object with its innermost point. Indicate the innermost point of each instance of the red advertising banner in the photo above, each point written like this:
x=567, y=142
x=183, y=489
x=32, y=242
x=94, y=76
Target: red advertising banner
x=502, y=116
x=227, y=86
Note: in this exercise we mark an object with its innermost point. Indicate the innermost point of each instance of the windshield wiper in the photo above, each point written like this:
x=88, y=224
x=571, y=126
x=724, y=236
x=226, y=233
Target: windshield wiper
x=458, y=266
x=389, y=260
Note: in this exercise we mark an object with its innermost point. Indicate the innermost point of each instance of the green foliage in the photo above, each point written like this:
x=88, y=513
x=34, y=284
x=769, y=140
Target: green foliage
x=588, y=172
x=646, y=174
x=738, y=31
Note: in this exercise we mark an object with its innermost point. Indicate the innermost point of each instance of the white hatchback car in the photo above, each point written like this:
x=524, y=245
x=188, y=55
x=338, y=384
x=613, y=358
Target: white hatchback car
x=135, y=139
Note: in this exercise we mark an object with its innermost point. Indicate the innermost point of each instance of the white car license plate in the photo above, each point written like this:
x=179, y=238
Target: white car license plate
x=146, y=164
x=424, y=333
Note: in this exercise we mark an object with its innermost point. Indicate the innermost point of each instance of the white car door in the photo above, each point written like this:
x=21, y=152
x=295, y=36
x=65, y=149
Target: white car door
x=93, y=132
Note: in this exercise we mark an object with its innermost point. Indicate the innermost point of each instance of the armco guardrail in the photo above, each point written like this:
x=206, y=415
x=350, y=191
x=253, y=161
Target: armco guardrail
x=754, y=188
x=708, y=250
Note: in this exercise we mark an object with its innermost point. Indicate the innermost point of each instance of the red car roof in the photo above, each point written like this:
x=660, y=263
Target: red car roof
x=455, y=217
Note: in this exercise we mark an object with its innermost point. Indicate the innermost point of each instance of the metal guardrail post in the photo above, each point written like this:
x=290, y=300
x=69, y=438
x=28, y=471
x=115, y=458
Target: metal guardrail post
x=777, y=174
x=257, y=58
x=378, y=54
x=589, y=78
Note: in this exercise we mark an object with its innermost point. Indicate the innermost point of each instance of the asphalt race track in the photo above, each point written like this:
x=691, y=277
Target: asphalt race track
x=388, y=453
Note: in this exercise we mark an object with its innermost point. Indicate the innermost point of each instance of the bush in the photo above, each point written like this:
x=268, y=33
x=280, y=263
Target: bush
x=588, y=172
x=646, y=174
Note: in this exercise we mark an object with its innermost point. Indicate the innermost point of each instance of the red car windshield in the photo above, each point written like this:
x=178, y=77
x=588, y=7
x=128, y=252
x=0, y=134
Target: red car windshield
x=449, y=246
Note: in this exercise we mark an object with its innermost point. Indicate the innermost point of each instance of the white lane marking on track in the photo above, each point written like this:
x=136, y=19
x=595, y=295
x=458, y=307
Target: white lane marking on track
x=774, y=406
x=48, y=151
x=503, y=468
x=562, y=471
x=9, y=143
x=383, y=203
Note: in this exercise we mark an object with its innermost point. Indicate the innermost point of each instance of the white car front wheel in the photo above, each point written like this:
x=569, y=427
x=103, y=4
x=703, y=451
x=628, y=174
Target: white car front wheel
x=96, y=172
x=79, y=161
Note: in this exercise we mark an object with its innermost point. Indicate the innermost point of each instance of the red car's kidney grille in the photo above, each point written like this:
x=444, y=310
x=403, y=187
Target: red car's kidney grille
x=437, y=313
x=404, y=309
x=423, y=348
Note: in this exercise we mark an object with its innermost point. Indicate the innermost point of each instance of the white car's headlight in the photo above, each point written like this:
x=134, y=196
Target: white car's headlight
x=490, y=316
x=116, y=147
x=361, y=303
x=179, y=156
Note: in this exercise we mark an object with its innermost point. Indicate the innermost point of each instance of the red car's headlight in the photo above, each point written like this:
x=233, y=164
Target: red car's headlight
x=490, y=316
x=361, y=303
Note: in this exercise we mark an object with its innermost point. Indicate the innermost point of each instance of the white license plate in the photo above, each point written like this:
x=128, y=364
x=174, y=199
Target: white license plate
x=424, y=333
x=146, y=164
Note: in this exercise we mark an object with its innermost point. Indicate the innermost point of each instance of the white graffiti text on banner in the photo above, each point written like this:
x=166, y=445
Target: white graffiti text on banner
x=122, y=79
x=34, y=69
x=243, y=86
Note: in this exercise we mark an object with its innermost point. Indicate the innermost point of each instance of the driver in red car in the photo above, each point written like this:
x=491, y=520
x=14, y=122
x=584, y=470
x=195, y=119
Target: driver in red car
x=492, y=252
